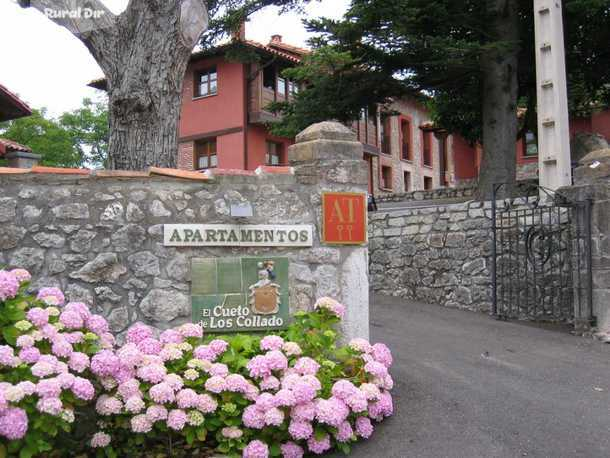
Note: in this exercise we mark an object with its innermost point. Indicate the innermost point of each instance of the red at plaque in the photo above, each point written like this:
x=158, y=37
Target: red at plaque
x=344, y=218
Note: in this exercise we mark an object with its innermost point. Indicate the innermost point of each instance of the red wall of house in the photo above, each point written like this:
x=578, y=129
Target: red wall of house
x=257, y=146
x=464, y=158
x=222, y=111
x=600, y=123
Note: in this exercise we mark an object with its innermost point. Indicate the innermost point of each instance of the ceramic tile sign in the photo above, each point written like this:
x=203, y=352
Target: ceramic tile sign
x=344, y=218
x=245, y=294
x=242, y=235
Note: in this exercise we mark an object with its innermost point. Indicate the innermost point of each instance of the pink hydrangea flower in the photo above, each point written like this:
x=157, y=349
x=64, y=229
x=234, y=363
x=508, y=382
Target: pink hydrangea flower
x=343, y=389
x=150, y=346
x=271, y=343
x=382, y=354
x=219, y=370
x=38, y=316
x=274, y=417
x=215, y=384
x=331, y=411
x=100, y=440
x=31, y=356
x=78, y=361
x=138, y=332
x=284, y=398
x=187, y=399
x=25, y=341
x=108, y=405
x=191, y=330
x=21, y=275
x=361, y=345
x=303, y=412
x=27, y=387
x=74, y=337
x=236, y=383
x=51, y=296
x=384, y=407
x=292, y=349
x=152, y=373
x=130, y=355
x=134, y=404
x=174, y=380
x=253, y=417
x=218, y=346
x=258, y=367
x=358, y=402
x=9, y=285
x=376, y=369
x=303, y=392
x=265, y=401
x=97, y=324
x=300, y=430
x=331, y=305
x=162, y=393
x=13, y=423
x=319, y=446
x=156, y=413
x=129, y=389
x=176, y=419
x=48, y=388
x=256, y=449
x=364, y=427
x=71, y=319
x=204, y=352
x=231, y=432
x=276, y=361
x=141, y=424
x=371, y=391
x=171, y=336
x=78, y=307
x=7, y=356
x=344, y=432
x=83, y=389
x=269, y=383
x=52, y=406
x=206, y=403
x=291, y=450
x=306, y=366
x=105, y=363
x=65, y=380
x=61, y=347
x=41, y=368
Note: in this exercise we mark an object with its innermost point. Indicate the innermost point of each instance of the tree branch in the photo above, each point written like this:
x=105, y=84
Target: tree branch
x=81, y=17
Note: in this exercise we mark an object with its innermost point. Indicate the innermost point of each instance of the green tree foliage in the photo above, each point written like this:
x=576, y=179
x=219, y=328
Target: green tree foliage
x=74, y=139
x=438, y=47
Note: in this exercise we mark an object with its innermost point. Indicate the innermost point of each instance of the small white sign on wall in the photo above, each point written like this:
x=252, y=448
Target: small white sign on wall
x=258, y=235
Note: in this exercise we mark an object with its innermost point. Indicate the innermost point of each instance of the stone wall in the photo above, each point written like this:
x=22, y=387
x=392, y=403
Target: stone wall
x=440, y=193
x=440, y=254
x=100, y=237
x=592, y=181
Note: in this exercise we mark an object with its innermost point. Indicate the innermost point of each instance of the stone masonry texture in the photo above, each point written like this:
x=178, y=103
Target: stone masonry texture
x=101, y=238
x=439, y=254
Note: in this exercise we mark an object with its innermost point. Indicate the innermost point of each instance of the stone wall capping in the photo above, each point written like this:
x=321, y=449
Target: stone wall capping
x=59, y=170
x=13, y=170
x=327, y=130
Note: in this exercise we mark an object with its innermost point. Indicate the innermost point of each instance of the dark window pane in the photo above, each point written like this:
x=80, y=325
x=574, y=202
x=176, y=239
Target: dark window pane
x=269, y=77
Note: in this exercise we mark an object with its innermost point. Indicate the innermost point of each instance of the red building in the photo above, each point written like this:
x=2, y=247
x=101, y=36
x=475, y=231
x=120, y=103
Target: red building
x=223, y=118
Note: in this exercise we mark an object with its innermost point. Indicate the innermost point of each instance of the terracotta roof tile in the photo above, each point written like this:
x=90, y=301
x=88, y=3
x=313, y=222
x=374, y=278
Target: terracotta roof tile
x=277, y=170
x=13, y=171
x=60, y=170
x=10, y=145
x=235, y=172
x=178, y=173
x=20, y=107
x=119, y=173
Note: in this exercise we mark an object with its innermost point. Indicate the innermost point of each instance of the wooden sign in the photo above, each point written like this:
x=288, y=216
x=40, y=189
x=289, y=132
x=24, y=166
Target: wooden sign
x=344, y=218
x=246, y=294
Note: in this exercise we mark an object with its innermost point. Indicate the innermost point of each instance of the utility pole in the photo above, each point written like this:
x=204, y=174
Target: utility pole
x=554, y=162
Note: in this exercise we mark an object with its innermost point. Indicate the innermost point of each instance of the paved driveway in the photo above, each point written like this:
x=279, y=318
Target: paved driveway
x=470, y=386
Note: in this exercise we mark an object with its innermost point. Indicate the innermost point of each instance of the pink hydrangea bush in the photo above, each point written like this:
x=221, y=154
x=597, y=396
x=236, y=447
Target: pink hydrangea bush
x=288, y=395
x=45, y=352
x=292, y=394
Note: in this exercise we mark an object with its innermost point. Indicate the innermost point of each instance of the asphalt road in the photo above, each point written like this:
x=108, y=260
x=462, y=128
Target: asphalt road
x=469, y=386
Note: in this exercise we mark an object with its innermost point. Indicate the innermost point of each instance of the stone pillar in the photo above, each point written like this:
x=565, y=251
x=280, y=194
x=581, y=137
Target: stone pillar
x=328, y=157
x=592, y=181
x=22, y=159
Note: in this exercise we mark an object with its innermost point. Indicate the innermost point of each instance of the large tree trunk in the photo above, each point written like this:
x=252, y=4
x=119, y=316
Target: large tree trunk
x=143, y=53
x=500, y=91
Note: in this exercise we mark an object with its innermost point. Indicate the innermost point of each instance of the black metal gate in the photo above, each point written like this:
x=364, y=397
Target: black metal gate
x=541, y=259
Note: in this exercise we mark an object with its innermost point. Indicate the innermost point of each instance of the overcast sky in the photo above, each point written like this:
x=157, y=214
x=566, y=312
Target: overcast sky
x=48, y=67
